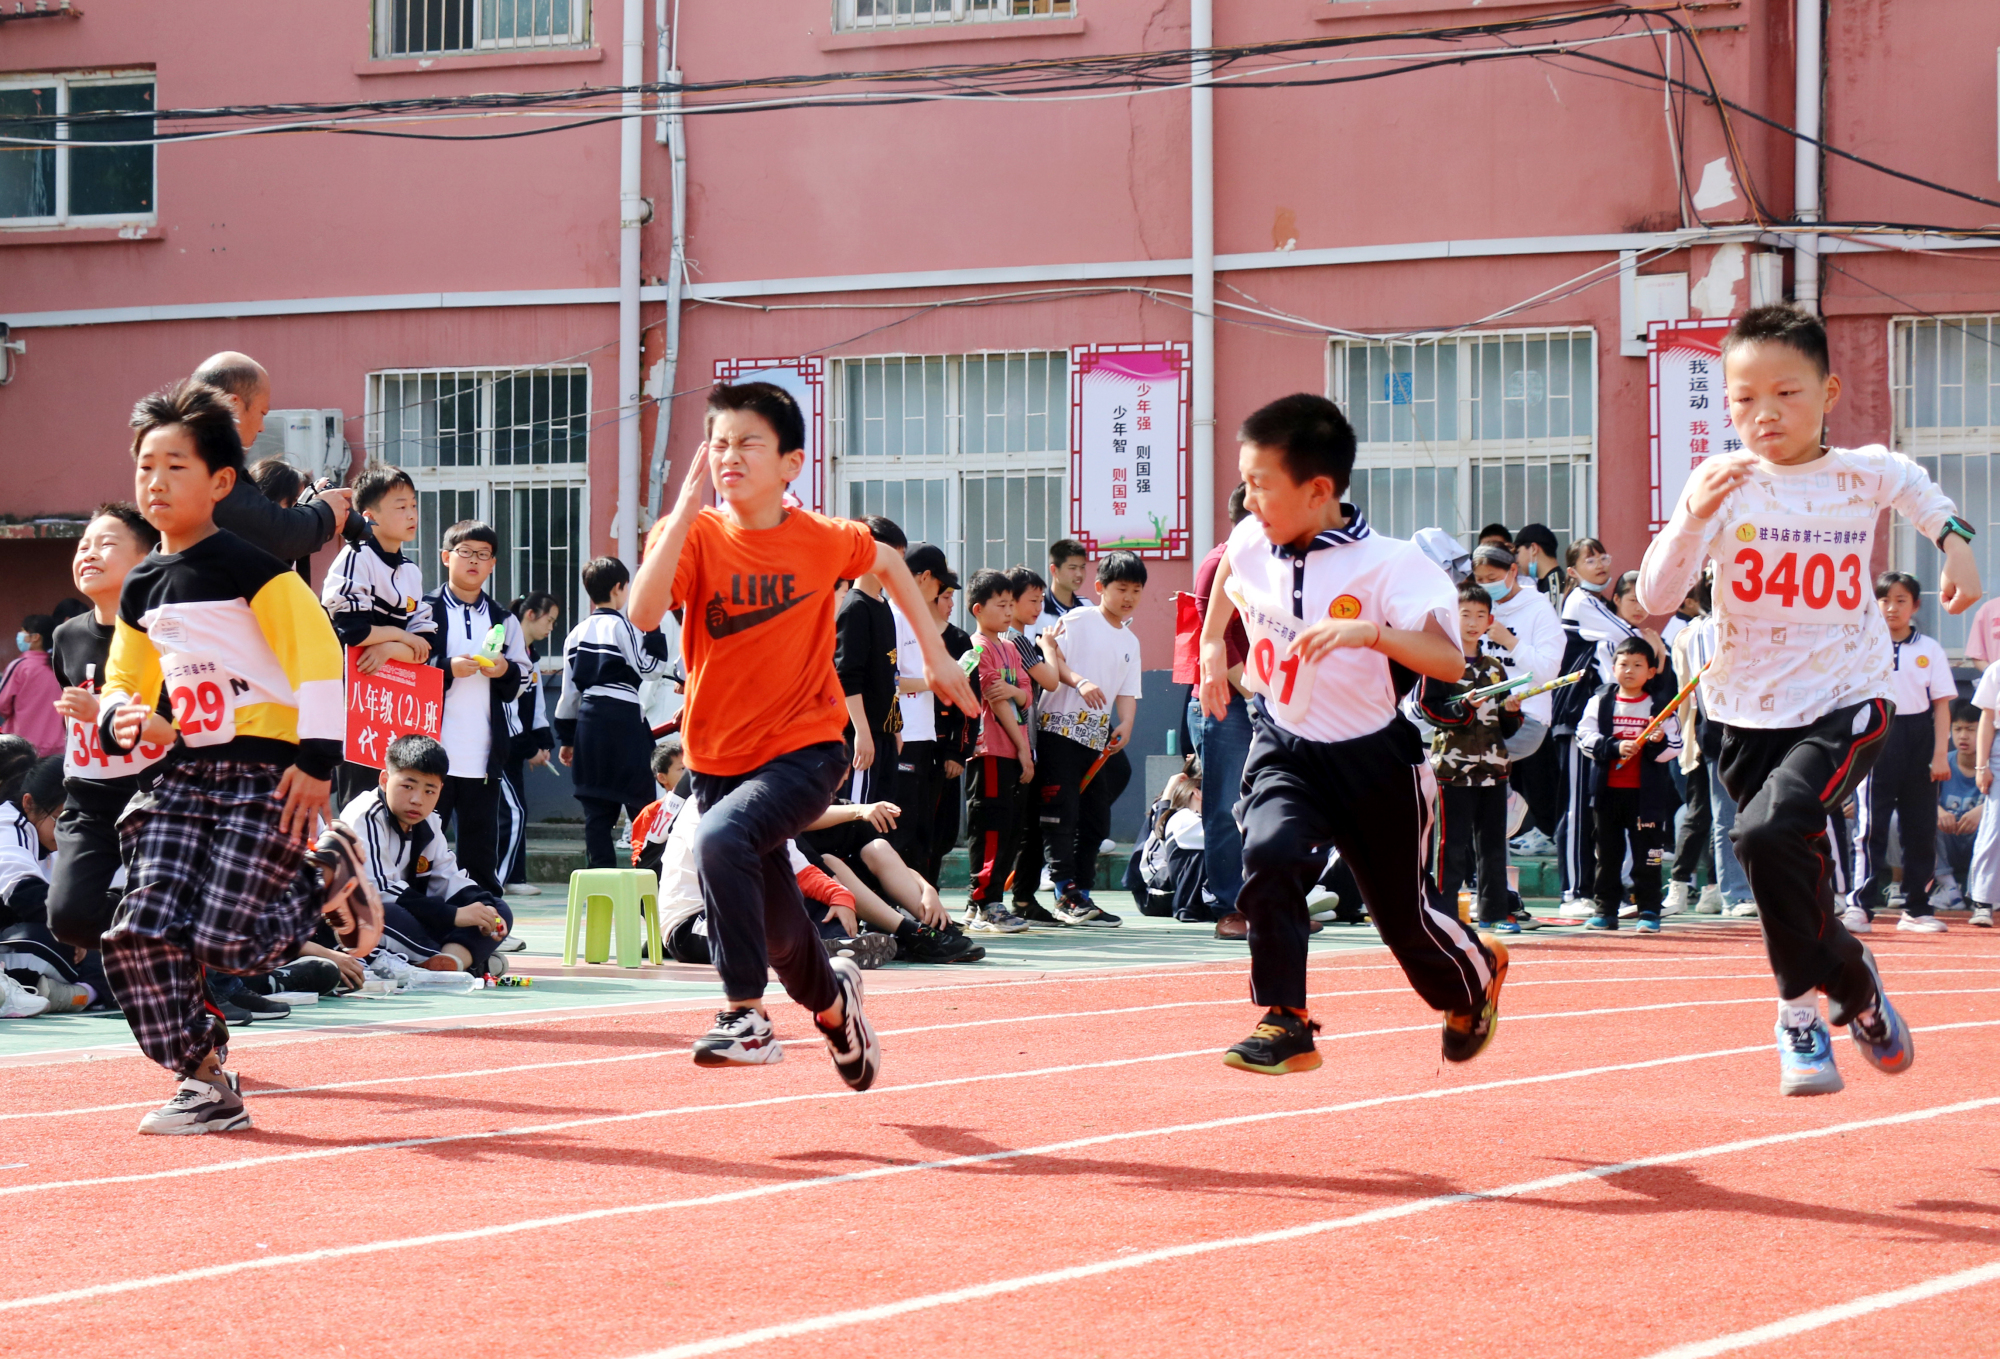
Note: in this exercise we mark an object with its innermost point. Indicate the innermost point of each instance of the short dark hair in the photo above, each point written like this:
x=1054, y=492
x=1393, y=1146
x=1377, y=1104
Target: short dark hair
x=985, y=584
x=1310, y=434
x=40, y=779
x=1121, y=567
x=1237, y=507
x=1492, y=554
x=666, y=753
x=240, y=378
x=766, y=400
x=602, y=575
x=41, y=625
x=885, y=530
x=1902, y=578
x=1471, y=593
x=1536, y=535
x=1625, y=584
x=1579, y=546
x=1499, y=531
x=377, y=480
x=535, y=601
x=17, y=757
x=1962, y=711
x=278, y=480
x=67, y=609
x=1782, y=323
x=1066, y=550
x=1635, y=645
x=414, y=754
x=471, y=531
x=200, y=410
x=126, y=513
x=1024, y=580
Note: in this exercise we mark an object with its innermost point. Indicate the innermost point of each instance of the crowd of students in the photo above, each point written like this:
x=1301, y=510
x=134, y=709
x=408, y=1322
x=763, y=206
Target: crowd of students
x=1374, y=718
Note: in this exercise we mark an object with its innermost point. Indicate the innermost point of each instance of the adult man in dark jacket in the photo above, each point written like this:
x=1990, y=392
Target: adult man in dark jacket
x=288, y=534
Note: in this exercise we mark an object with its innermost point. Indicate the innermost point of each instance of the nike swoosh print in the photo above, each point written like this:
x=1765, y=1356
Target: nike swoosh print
x=722, y=623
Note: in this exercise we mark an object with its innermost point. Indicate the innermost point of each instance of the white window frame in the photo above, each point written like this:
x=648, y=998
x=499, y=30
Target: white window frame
x=63, y=83
x=1464, y=457
x=1963, y=459
x=485, y=479
x=385, y=49
x=952, y=463
x=847, y=16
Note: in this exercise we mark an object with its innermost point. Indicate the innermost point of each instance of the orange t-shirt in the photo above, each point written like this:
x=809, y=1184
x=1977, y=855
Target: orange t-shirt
x=757, y=636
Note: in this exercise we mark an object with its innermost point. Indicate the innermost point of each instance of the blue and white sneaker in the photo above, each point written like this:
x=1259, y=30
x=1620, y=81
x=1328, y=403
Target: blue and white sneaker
x=1805, y=1060
x=1880, y=1033
x=1603, y=920
x=1649, y=924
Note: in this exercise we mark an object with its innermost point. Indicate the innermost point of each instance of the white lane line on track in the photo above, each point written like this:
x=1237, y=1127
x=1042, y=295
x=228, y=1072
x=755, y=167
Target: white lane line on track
x=1828, y=1316
x=415, y=1078
x=529, y=1130
x=883, y=1172
x=998, y=1287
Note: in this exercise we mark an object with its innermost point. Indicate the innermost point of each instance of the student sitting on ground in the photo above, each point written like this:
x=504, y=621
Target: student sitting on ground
x=656, y=818
x=850, y=841
x=37, y=973
x=434, y=916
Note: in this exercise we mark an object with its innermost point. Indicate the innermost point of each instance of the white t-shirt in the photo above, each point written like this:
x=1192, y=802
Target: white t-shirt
x=1107, y=655
x=1920, y=674
x=1353, y=572
x=1800, y=633
x=1538, y=644
x=465, y=729
x=920, y=709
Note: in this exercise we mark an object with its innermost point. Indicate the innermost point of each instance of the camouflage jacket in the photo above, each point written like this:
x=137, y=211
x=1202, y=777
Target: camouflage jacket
x=1469, y=746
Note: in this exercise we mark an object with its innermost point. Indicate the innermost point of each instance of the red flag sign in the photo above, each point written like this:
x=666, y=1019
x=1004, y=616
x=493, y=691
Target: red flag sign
x=398, y=700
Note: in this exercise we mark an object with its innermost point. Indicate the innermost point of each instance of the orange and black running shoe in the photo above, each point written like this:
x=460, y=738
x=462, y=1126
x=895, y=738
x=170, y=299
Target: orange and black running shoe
x=1467, y=1032
x=1282, y=1043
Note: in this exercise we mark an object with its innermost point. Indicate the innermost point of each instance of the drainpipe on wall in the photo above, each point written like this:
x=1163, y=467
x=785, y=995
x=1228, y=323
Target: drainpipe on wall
x=1809, y=81
x=1201, y=107
x=670, y=132
x=632, y=214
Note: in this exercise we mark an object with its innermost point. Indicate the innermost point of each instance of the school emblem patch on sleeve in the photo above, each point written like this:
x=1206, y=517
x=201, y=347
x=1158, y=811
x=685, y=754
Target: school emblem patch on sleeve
x=1923, y=662
x=1347, y=606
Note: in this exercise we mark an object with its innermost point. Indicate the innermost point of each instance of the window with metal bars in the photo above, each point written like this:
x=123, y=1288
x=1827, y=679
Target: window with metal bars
x=505, y=445
x=409, y=28
x=1945, y=391
x=966, y=451
x=867, y=14
x=1464, y=430
x=77, y=184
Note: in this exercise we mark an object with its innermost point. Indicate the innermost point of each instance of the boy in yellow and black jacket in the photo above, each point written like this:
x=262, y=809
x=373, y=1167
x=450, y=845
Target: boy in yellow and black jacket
x=252, y=674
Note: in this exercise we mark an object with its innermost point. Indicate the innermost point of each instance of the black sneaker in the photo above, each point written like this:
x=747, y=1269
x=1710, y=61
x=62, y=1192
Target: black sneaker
x=237, y=992
x=851, y=1043
x=232, y=1013
x=1467, y=1032
x=939, y=946
x=198, y=1107
x=1282, y=1043
x=867, y=950
x=1077, y=909
x=305, y=975
x=1032, y=910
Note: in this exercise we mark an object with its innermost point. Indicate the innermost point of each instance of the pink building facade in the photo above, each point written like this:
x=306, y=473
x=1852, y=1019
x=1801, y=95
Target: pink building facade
x=1465, y=256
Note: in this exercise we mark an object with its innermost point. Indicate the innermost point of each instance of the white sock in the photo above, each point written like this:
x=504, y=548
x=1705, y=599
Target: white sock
x=1801, y=1012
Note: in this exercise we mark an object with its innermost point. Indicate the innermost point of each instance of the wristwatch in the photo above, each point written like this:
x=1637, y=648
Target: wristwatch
x=1954, y=525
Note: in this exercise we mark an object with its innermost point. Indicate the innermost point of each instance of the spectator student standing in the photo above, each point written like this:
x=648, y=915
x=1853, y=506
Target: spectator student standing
x=530, y=733
x=1526, y=637
x=1959, y=808
x=29, y=689
x=1469, y=757
x=1632, y=794
x=1024, y=871
x=919, y=762
x=598, y=720
x=1223, y=744
x=1003, y=762
x=864, y=656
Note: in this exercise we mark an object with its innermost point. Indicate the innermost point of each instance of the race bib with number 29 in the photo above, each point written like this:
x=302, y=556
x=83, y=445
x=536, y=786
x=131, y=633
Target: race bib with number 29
x=1796, y=569
x=203, y=695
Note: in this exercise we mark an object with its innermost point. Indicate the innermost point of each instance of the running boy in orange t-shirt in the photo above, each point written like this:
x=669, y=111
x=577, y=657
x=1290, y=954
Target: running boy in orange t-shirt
x=764, y=714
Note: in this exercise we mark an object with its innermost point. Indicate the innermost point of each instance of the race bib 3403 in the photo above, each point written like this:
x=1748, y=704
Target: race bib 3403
x=1796, y=568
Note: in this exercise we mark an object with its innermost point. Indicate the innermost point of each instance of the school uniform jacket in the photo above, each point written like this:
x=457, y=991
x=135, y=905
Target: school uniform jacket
x=414, y=868
x=605, y=658
x=24, y=870
x=227, y=614
x=1597, y=737
x=367, y=587
x=458, y=624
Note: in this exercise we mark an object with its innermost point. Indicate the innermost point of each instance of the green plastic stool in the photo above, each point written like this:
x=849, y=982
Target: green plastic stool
x=604, y=900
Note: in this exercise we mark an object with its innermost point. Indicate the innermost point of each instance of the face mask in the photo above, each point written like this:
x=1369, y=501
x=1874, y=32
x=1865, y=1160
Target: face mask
x=20, y=641
x=1534, y=570
x=1594, y=589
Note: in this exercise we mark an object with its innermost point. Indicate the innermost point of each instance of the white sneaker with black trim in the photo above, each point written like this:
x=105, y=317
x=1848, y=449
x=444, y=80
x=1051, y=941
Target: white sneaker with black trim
x=1855, y=919
x=198, y=1107
x=740, y=1037
x=851, y=1043
x=1982, y=916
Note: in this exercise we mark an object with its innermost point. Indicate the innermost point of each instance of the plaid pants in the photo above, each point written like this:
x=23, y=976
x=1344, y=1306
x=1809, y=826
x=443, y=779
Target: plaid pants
x=212, y=884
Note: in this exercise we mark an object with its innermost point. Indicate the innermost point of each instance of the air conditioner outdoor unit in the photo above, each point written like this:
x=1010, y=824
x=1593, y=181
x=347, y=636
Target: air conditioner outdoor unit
x=309, y=440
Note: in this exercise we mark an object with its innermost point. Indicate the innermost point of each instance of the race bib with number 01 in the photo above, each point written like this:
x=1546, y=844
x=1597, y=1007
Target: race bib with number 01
x=1273, y=670
x=1796, y=569
x=203, y=694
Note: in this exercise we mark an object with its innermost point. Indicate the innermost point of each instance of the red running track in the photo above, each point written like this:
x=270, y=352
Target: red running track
x=1054, y=1169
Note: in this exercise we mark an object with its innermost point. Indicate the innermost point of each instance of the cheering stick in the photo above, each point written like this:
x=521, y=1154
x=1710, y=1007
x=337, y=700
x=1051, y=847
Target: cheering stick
x=1096, y=765
x=1639, y=742
x=1493, y=690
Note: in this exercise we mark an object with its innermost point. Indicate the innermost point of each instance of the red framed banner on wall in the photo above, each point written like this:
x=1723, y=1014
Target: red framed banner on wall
x=1128, y=448
x=805, y=379
x=1690, y=410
